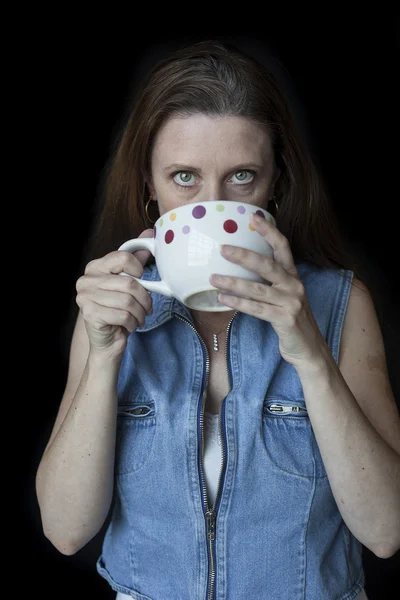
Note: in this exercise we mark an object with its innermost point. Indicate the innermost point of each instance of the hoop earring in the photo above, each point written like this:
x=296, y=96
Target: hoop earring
x=146, y=209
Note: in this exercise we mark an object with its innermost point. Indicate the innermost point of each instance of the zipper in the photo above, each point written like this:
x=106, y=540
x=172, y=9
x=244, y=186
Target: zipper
x=137, y=411
x=211, y=512
x=286, y=409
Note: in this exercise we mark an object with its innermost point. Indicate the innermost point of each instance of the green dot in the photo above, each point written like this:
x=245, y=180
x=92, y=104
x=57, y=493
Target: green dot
x=220, y=207
x=161, y=222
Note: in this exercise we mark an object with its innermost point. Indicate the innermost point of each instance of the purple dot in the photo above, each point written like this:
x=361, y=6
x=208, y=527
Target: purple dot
x=198, y=212
x=260, y=212
x=241, y=210
x=169, y=236
x=155, y=231
x=185, y=229
x=230, y=226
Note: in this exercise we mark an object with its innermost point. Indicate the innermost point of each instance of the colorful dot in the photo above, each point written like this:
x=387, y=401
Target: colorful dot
x=155, y=231
x=185, y=229
x=251, y=227
x=241, y=210
x=220, y=207
x=172, y=216
x=198, y=212
x=230, y=226
x=161, y=222
x=169, y=236
x=260, y=213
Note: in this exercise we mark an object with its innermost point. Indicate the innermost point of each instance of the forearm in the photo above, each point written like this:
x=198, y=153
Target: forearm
x=75, y=477
x=363, y=470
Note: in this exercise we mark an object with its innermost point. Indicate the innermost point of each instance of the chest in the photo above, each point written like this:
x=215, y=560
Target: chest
x=218, y=382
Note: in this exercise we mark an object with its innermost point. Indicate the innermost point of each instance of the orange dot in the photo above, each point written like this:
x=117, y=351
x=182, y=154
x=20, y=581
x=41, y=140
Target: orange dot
x=251, y=227
x=173, y=216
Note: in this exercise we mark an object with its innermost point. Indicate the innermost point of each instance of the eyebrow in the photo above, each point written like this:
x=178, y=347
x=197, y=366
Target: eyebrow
x=182, y=167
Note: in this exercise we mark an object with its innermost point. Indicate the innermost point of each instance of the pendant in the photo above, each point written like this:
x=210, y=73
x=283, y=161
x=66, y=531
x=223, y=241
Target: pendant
x=215, y=342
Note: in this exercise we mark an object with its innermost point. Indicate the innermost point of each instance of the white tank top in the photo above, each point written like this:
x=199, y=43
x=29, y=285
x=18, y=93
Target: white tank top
x=212, y=454
x=212, y=467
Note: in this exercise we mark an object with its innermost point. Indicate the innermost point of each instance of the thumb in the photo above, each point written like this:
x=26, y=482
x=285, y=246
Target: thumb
x=144, y=255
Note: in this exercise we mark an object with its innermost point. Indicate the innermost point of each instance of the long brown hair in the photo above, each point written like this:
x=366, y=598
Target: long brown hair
x=217, y=79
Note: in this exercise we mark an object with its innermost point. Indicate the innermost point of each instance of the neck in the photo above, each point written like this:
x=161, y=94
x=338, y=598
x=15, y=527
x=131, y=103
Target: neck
x=212, y=321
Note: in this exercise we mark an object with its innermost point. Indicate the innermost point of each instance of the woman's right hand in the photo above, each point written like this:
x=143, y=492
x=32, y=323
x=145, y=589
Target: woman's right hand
x=113, y=306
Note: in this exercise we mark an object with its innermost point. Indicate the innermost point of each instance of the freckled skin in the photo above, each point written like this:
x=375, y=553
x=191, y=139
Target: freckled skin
x=376, y=362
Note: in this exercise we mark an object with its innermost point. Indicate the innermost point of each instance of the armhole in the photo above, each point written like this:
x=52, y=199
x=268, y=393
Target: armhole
x=341, y=301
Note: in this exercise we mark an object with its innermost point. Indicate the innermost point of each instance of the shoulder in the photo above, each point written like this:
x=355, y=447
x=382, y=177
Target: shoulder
x=361, y=321
x=361, y=332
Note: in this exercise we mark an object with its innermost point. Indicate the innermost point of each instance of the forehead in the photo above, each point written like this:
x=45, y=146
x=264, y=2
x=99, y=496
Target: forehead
x=200, y=136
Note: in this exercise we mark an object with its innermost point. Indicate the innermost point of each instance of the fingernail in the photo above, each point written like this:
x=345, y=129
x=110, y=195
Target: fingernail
x=227, y=250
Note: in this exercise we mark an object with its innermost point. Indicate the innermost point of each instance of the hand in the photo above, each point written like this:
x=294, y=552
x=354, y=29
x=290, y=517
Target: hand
x=113, y=306
x=283, y=303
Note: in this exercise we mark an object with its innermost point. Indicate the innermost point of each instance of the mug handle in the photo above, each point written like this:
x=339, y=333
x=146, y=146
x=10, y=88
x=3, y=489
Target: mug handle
x=160, y=287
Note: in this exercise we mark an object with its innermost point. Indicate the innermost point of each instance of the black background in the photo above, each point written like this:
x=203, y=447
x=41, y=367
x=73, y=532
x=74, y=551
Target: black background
x=340, y=73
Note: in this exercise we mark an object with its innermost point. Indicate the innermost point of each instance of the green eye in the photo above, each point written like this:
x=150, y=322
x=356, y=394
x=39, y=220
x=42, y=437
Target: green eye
x=243, y=176
x=184, y=178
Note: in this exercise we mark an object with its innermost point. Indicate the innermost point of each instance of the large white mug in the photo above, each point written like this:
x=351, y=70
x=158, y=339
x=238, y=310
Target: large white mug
x=187, y=249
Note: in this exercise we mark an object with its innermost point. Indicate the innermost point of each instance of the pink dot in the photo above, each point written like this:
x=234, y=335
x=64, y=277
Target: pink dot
x=260, y=212
x=241, y=210
x=169, y=236
x=230, y=226
x=185, y=229
x=198, y=212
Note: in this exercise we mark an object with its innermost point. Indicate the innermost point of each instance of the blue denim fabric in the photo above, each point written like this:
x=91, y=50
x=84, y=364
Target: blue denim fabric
x=278, y=532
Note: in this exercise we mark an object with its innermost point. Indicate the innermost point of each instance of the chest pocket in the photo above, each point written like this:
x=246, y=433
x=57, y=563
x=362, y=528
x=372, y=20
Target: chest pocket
x=136, y=426
x=289, y=438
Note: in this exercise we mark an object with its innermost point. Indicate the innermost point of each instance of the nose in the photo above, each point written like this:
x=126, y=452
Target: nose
x=212, y=190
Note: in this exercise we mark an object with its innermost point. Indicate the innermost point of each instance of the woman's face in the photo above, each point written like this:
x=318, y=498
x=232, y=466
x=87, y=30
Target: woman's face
x=201, y=158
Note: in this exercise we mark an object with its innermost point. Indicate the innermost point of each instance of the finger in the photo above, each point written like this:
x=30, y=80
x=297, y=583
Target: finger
x=121, y=300
x=266, y=312
x=119, y=261
x=265, y=266
x=127, y=291
x=252, y=290
x=279, y=243
x=144, y=255
x=128, y=286
x=115, y=262
x=101, y=316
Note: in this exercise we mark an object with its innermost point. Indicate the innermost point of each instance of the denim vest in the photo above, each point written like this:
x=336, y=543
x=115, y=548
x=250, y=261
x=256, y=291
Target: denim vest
x=275, y=531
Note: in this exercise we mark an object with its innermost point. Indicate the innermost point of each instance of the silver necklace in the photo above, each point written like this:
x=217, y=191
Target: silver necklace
x=215, y=335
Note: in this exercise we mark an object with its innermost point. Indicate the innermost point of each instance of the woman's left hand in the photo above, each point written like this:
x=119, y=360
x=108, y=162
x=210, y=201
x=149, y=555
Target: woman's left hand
x=283, y=303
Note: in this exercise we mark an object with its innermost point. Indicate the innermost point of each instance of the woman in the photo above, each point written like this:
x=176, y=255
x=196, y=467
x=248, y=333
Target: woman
x=242, y=454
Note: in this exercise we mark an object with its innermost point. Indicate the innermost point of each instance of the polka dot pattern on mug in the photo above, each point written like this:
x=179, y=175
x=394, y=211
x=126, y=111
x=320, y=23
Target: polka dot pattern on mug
x=169, y=236
x=199, y=212
x=230, y=226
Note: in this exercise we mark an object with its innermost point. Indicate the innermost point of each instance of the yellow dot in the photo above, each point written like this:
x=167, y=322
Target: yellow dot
x=251, y=227
x=173, y=216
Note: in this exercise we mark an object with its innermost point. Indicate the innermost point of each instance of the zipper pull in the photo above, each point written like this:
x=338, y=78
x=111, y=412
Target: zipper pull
x=286, y=409
x=275, y=408
x=210, y=516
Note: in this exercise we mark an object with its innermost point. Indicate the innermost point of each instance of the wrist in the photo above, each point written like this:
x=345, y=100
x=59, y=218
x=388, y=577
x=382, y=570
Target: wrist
x=322, y=364
x=100, y=360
